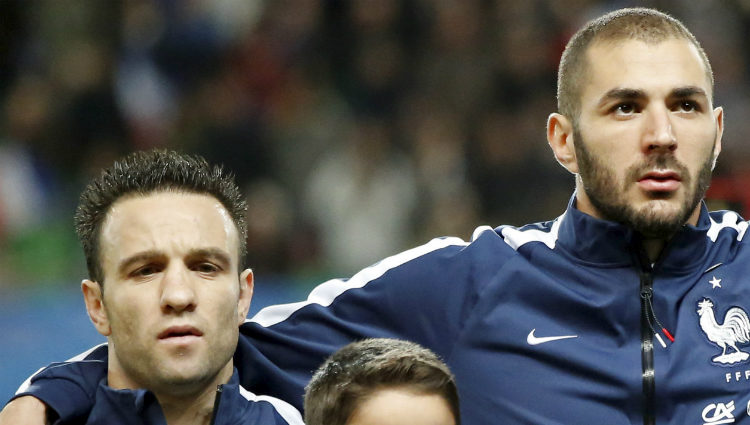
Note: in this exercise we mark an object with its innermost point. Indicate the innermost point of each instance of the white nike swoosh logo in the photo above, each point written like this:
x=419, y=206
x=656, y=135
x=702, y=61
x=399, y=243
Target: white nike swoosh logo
x=534, y=340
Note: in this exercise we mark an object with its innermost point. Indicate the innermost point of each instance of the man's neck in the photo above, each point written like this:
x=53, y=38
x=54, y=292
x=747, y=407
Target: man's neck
x=189, y=410
x=180, y=405
x=194, y=408
x=653, y=248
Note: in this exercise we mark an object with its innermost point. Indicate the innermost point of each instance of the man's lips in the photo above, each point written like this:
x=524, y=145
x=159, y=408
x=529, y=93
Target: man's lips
x=660, y=181
x=179, y=332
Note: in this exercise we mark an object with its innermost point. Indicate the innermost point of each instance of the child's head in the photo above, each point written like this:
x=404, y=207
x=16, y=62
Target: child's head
x=382, y=381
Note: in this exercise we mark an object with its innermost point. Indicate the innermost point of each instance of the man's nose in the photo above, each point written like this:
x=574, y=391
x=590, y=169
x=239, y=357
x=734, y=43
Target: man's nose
x=178, y=291
x=659, y=134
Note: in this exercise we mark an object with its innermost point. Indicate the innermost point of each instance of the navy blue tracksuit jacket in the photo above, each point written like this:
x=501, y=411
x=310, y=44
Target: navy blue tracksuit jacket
x=561, y=322
x=233, y=405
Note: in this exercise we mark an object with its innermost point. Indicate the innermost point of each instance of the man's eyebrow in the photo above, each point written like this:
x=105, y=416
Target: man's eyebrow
x=138, y=257
x=217, y=253
x=689, y=91
x=632, y=94
x=622, y=94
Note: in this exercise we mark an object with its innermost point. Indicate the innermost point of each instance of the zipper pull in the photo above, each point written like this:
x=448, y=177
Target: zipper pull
x=647, y=294
x=217, y=400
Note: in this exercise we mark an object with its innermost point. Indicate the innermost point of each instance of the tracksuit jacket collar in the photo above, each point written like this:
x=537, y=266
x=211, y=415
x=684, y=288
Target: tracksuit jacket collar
x=113, y=406
x=606, y=243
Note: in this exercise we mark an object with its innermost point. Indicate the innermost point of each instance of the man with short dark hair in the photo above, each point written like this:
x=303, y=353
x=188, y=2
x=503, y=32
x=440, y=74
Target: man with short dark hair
x=383, y=381
x=628, y=308
x=162, y=235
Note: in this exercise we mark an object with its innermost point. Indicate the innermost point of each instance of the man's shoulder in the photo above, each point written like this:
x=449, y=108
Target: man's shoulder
x=502, y=236
x=545, y=232
x=267, y=409
x=726, y=223
x=487, y=248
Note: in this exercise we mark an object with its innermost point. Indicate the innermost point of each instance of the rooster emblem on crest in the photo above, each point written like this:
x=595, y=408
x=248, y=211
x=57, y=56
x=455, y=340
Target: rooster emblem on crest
x=734, y=330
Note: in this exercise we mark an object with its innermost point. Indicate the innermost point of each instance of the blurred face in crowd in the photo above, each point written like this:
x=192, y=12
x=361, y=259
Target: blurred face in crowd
x=647, y=136
x=171, y=301
x=396, y=406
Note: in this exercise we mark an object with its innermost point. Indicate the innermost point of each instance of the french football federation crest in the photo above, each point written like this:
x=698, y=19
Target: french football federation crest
x=734, y=330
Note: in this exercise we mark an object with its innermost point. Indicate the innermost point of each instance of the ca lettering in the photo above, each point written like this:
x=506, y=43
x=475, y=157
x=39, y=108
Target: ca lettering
x=718, y=413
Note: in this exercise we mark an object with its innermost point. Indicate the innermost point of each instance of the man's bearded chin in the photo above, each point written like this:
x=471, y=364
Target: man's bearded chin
x=600, y=185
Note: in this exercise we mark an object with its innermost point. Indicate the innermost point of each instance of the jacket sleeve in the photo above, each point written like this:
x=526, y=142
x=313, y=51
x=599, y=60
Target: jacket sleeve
x=69, y=387
x=424, y=295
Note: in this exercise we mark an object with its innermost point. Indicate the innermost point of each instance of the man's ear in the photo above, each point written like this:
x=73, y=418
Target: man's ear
x=246, y=295
x=719, y=117
x=92, y=296
x=560, y=139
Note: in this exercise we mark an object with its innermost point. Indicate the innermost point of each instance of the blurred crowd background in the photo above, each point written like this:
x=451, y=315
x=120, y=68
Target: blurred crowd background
x=357, y=128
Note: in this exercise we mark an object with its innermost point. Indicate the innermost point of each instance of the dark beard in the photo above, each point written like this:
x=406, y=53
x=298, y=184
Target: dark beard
x=600, y=186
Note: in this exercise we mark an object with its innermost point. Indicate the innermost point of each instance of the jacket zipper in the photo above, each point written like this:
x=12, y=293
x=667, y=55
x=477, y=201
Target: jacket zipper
x=647, y=346
x=217, y=400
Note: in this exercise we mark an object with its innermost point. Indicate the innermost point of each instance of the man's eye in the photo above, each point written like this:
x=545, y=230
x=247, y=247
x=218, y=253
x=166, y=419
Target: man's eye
x=206, y=268
x=687, y=106
x=145, y=271
x=625, y=109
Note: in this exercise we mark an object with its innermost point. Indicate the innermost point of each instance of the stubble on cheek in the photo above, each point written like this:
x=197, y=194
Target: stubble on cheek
x=653, y=219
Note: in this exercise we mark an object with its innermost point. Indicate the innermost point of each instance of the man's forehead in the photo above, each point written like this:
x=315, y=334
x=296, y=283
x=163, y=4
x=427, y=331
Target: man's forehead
x=612, y=44
x=167, y=219
x=638, y=64
x=168, y=204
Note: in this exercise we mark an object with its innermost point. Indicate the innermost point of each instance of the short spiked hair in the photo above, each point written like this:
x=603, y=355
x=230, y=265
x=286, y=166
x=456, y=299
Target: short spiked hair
x=145, y=172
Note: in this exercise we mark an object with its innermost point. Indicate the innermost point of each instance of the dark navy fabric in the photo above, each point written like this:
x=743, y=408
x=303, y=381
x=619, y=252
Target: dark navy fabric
x=476, y=304
x=236, y=406
x=133, y=407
